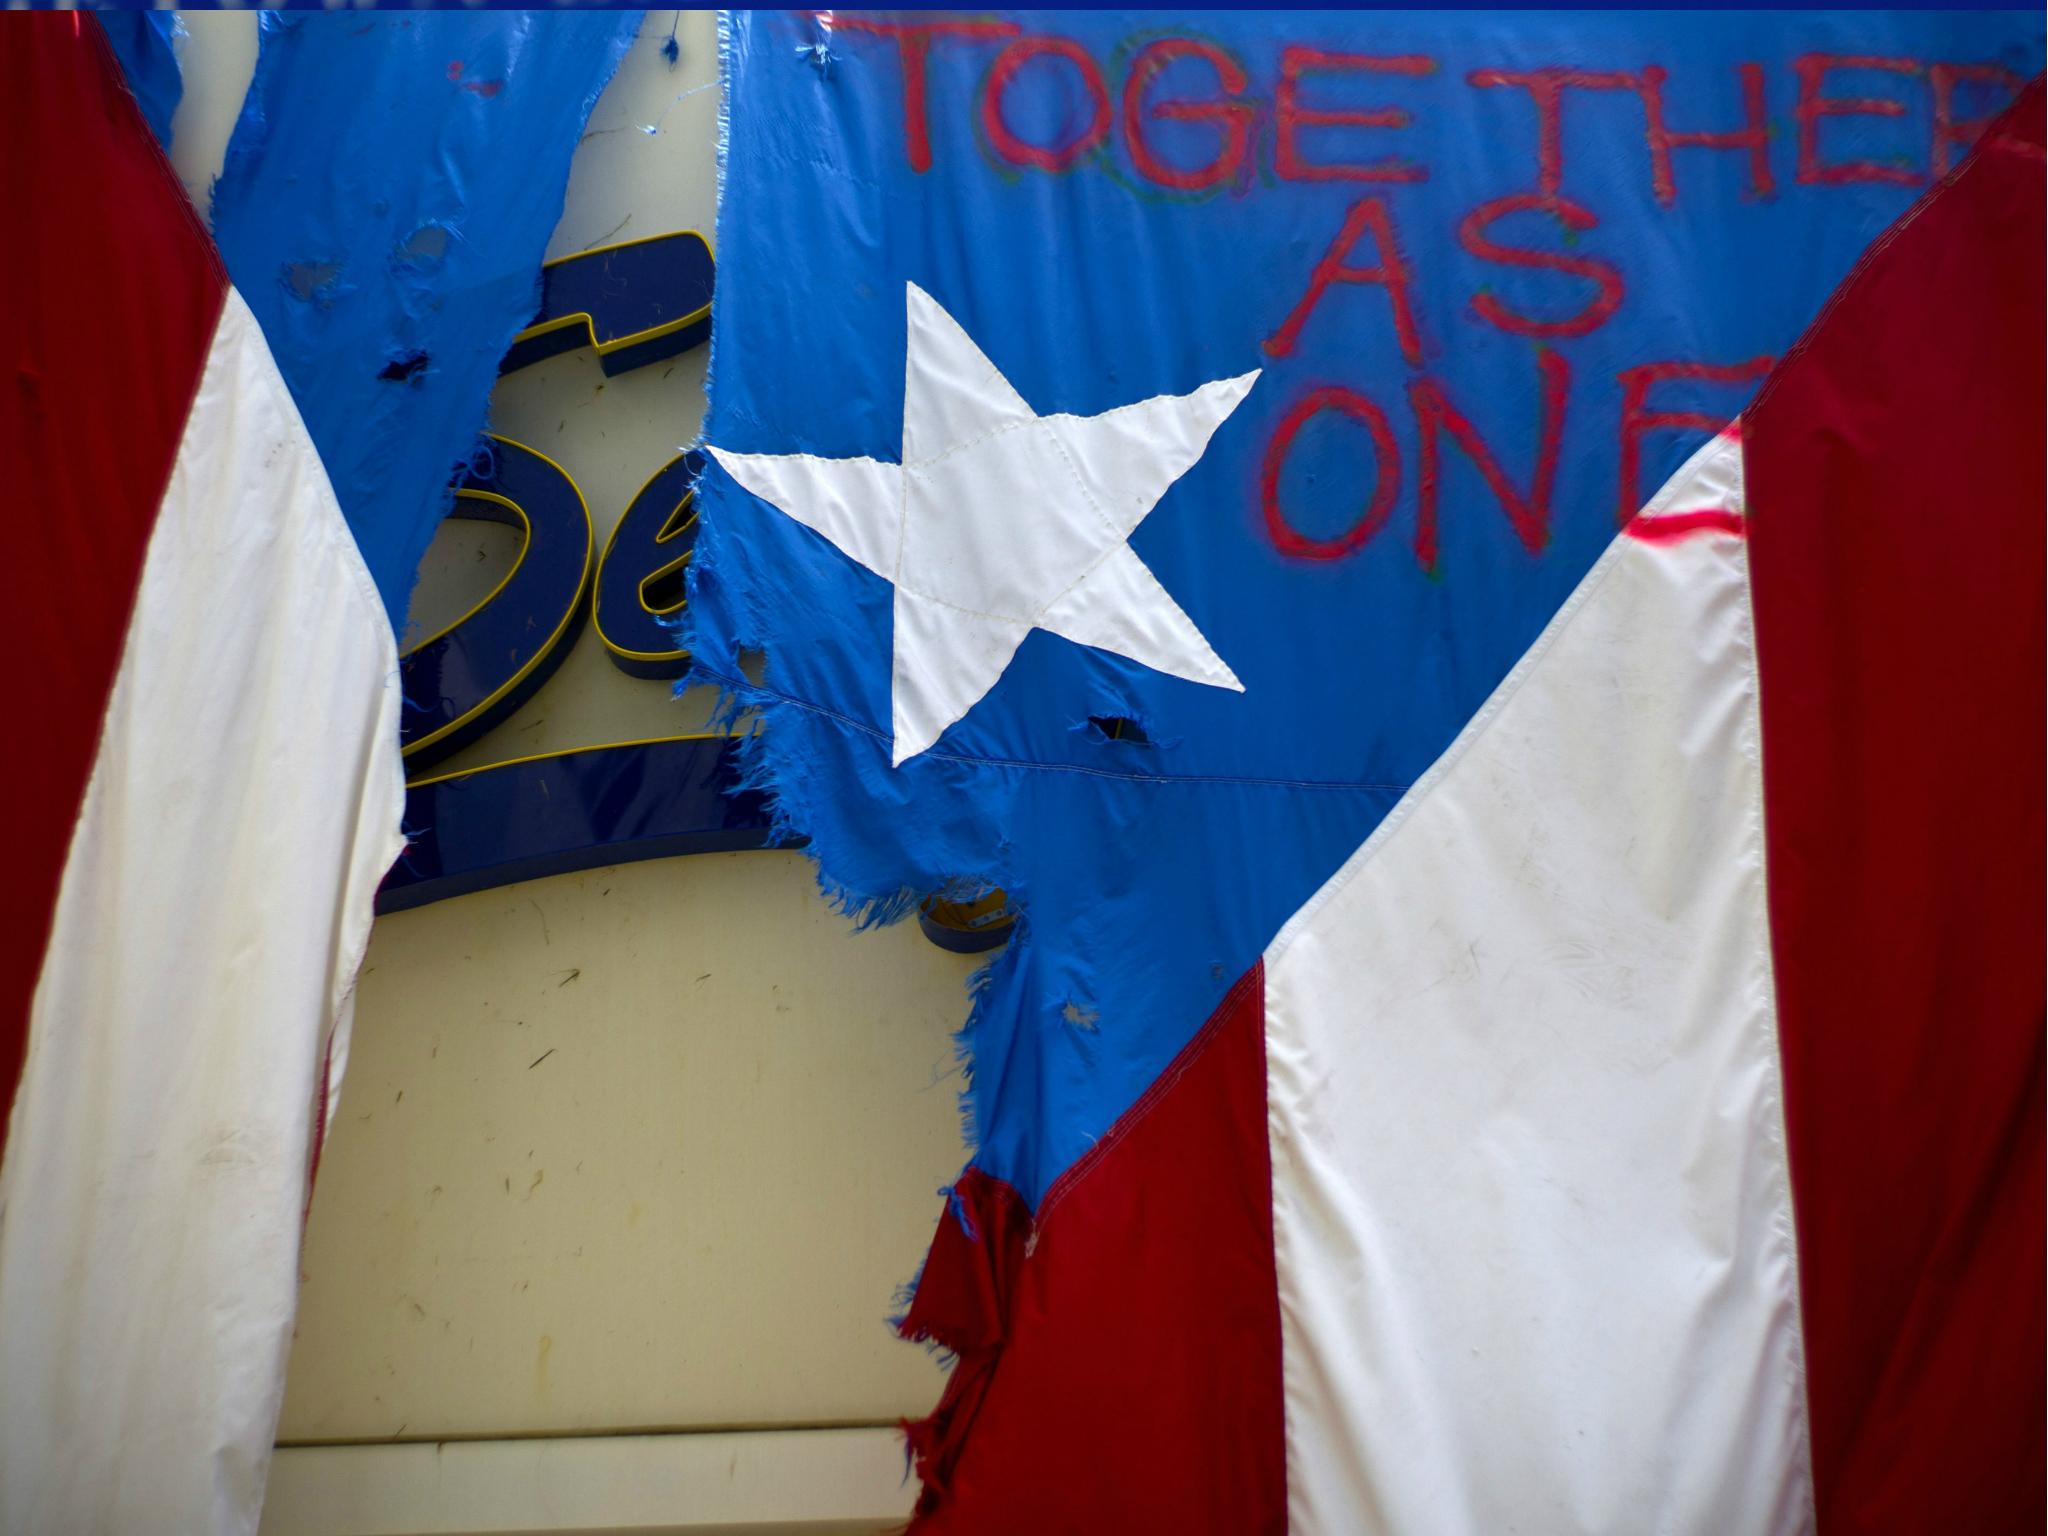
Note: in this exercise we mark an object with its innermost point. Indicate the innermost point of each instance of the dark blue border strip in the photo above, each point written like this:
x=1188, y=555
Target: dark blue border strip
x=581, y=809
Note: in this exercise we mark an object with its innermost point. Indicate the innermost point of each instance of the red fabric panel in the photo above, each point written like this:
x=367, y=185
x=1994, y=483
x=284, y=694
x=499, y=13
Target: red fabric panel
x=1896, y=496
x=1119, y=1364
x=111, y=290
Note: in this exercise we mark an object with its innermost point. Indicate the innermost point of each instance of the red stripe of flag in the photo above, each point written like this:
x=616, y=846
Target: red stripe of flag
x=113, y=291
x=1119, y=1360
x=1895, y=498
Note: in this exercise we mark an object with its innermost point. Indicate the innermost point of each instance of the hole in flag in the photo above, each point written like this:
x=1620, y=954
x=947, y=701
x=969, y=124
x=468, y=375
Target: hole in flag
x=1120, y=728
x=423, y=250
x=314, y=282
x=405, y=366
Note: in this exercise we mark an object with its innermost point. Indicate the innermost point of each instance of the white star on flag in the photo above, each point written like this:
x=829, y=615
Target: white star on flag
x=998, y=521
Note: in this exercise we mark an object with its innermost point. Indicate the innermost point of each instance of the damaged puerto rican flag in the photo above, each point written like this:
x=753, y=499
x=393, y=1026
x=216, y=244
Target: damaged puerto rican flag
x=211, y=507
x=1476, y=584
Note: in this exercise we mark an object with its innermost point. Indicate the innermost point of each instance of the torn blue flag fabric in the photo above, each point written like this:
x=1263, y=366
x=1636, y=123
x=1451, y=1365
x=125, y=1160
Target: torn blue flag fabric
x=1203, y=479
x=386, y=201
x=144, y=42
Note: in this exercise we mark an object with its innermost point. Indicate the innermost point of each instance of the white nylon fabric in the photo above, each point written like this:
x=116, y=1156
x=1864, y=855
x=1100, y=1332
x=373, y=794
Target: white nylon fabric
x=999, y=521
x=214, y=908
x=1532, y=1214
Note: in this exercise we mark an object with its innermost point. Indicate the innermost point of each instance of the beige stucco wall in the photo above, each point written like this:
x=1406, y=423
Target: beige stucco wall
x=643, y=1148
x=647, y=1147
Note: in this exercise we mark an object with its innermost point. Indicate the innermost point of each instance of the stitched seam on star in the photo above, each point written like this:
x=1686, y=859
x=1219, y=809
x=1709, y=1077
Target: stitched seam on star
x=1032, y=622
x=973, y=442
x=1118, y=535
x=902, y=522
x=1159, y=587
x=903, y=446
x=1123, y=537
x=1036, y=419
x=979, y=613
x=1038, y=621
